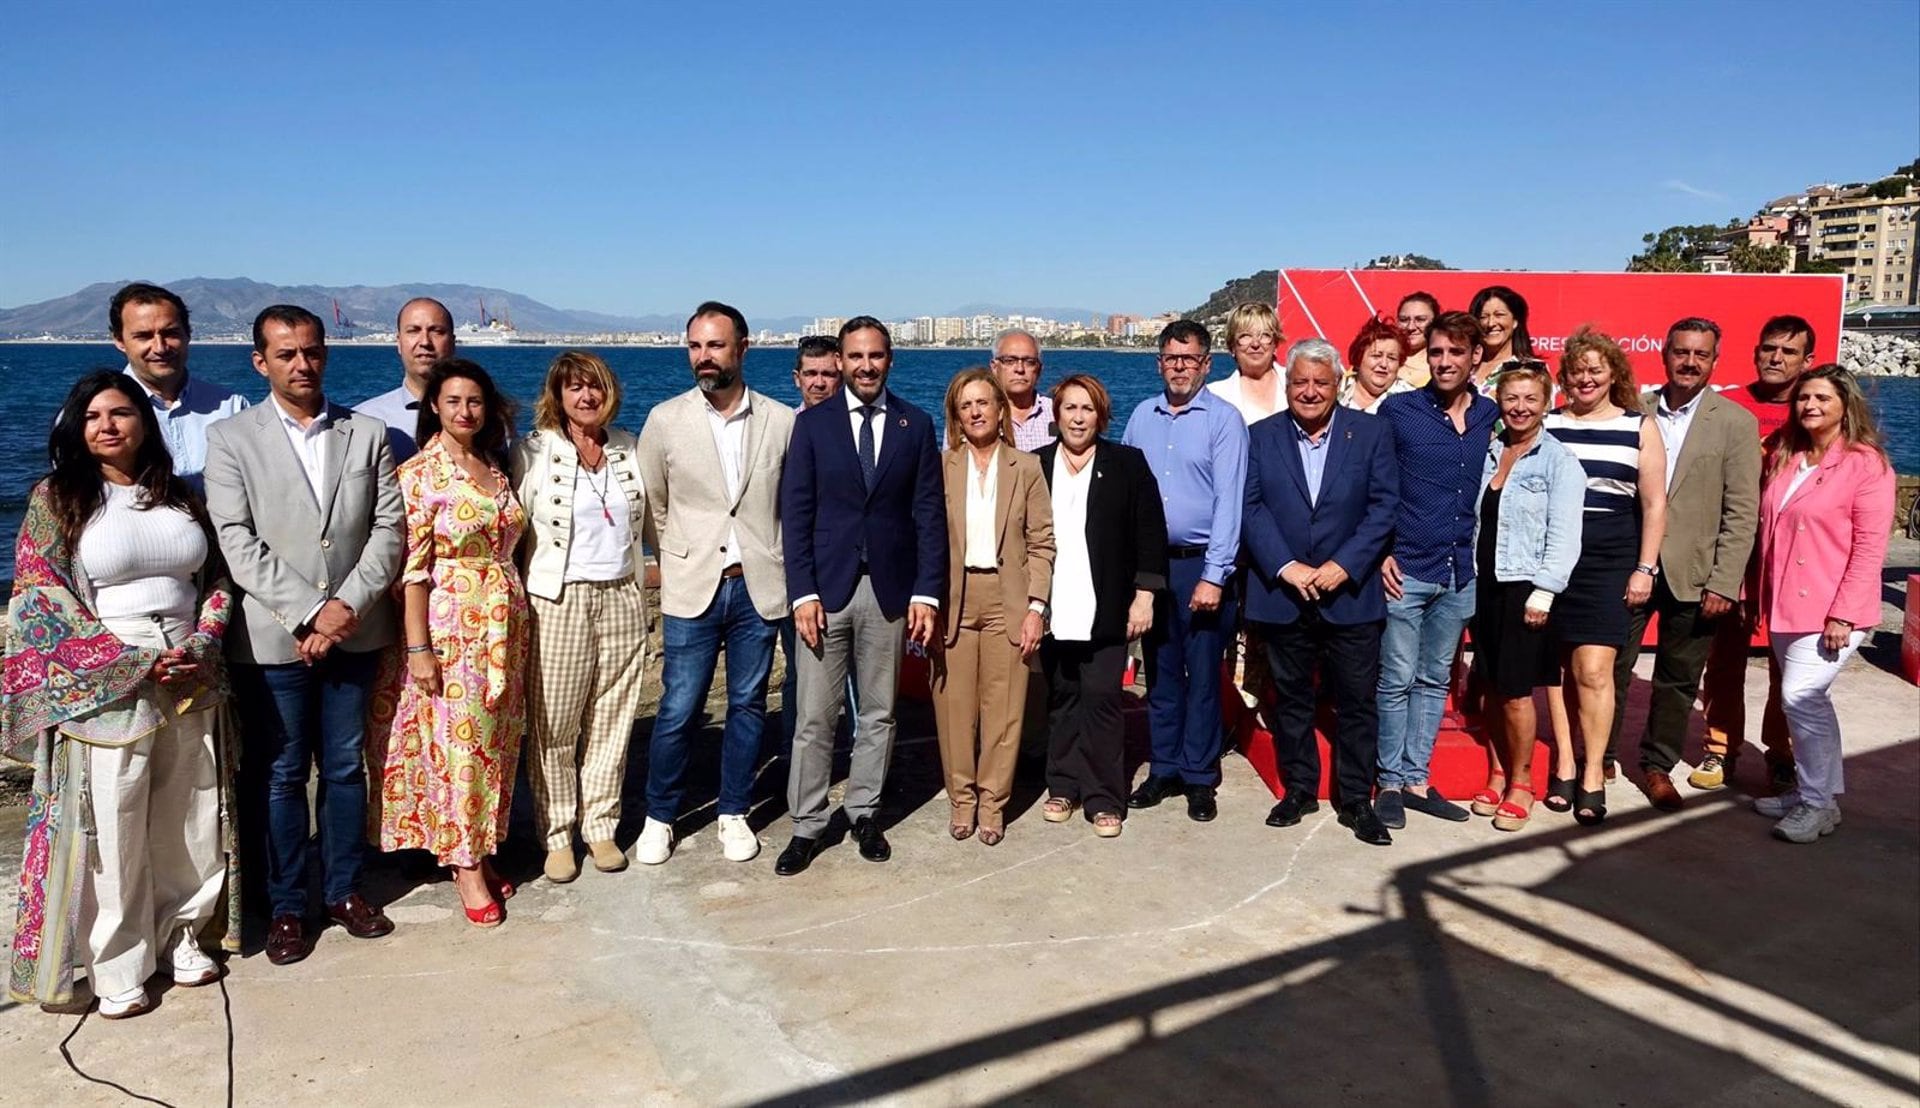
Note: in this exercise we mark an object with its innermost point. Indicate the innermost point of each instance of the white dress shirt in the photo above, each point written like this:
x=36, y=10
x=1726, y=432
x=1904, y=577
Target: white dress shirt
x=1673, y=425
x=1073, y=595
x=730, y=439
x=309, y=444
x=983, y=491
x=1231, y=389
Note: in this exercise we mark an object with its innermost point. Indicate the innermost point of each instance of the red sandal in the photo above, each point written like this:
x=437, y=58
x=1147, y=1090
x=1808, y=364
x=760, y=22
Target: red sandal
x=1487, y=801
x=1510, y=816
x=490, y=916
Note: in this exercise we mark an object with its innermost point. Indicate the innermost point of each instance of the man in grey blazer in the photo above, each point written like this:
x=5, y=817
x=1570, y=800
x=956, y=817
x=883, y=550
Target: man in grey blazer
x=1713, y=515
x=310, y=520
x=711, y=459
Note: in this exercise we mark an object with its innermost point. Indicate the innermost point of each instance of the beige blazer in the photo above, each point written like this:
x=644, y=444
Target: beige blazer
x=545, y=465
x=693, y=511
x=1713, y=500
x=288, y=551
x=1022, y=517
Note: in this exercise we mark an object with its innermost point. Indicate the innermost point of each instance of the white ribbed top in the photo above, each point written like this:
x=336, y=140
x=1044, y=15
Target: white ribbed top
x=140, y=563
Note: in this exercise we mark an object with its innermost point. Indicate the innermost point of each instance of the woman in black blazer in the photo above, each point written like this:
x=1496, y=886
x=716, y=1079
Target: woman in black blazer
x=1110, y=538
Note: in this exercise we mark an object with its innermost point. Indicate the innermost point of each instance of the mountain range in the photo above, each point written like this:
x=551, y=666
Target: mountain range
x=227, y=305
x=222, y=305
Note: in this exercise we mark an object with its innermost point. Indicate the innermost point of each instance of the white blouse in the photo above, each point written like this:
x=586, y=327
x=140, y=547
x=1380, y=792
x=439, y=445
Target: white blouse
x=983, y=494
x=1073, y=595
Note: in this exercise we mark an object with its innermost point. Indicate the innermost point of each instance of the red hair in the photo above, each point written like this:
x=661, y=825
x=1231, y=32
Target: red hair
x=1372, y=331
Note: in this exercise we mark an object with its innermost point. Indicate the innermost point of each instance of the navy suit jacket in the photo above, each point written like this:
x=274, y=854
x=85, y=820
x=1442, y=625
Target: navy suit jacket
x=1350, y=525
x=831, y=524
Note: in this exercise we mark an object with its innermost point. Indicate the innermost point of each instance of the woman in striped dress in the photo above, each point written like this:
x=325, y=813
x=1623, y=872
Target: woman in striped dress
x=1625, y=519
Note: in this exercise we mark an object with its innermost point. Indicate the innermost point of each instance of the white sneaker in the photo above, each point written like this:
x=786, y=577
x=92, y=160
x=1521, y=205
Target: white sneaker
x=656, y=843
x=189, y=963
x=737, y=840
x=130, y=1003
x=1805, y=824
x=1776, y=807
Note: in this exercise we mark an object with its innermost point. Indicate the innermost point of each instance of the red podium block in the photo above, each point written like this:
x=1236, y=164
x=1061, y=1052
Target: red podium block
x=1910, y=632
x=1458, y=769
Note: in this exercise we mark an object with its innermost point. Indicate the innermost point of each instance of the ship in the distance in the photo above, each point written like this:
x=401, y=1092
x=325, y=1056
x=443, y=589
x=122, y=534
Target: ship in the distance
x=490, y=330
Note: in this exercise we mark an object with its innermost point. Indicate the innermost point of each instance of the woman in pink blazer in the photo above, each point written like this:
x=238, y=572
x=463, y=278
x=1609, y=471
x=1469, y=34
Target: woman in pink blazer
x=1825, y=512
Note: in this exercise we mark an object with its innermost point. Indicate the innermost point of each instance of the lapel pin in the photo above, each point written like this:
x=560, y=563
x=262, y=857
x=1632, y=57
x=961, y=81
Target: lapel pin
x=903, y=421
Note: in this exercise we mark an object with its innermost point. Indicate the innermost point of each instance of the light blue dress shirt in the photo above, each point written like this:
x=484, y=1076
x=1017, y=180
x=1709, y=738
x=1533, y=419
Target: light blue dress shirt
x=184, y=423
x=1313, y=454
x=400, y=411
x=1199, y=456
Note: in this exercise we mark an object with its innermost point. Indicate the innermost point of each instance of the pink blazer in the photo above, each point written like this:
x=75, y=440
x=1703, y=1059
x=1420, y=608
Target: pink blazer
x=1822, y=554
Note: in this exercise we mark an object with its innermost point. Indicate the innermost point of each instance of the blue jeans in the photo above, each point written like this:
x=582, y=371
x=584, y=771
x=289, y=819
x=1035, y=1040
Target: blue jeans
x=690, y=649
x=1416, y=663
x=295, y=715
x=1184, y=650
x=790, y=691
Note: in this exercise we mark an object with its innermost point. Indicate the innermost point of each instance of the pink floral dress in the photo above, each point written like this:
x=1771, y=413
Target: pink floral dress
x=446, y=762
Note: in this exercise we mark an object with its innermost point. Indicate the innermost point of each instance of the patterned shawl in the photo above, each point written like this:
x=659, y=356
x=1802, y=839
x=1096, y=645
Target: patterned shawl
x=61, y=665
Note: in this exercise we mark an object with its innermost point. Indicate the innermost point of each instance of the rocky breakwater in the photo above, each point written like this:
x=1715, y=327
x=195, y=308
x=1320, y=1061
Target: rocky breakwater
x=1880, y=355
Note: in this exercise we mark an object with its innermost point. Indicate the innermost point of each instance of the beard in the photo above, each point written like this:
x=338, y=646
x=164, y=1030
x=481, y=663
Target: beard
x=721, y=379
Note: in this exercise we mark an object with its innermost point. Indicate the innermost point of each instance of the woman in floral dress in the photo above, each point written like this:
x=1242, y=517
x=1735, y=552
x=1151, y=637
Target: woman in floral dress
x=449, y=717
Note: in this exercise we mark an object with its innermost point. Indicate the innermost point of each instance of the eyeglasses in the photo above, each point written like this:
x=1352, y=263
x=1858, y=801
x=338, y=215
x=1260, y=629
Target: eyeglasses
x=1254, y=339
x=1009, y=361
x=1183, y=361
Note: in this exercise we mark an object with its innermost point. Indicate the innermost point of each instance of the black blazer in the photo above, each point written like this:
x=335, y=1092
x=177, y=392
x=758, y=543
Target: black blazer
x=1126, y=532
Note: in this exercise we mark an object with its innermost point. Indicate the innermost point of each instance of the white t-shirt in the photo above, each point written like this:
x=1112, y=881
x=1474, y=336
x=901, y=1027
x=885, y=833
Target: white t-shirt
x=601, y=548
x=1073, y=595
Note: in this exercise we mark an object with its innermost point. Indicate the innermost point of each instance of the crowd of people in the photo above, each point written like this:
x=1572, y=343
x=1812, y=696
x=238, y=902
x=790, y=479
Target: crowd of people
x=215, y=600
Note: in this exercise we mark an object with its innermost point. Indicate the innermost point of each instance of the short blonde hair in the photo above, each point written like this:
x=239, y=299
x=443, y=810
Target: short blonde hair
x=568, y=367
x=1534, y=371
x=1253, y=317
x=960, y=381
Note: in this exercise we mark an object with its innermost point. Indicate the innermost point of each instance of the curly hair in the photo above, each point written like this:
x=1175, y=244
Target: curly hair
x=1622, y=390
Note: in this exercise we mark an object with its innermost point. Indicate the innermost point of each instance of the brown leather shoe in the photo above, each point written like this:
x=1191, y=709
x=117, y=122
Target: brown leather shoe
x=286, y=940
x=362, y=920
x=1660, y=791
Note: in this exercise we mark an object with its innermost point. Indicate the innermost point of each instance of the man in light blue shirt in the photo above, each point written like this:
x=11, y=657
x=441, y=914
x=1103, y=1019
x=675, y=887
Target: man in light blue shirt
x=425, y=329
x=1196, y=444
x=149, y=324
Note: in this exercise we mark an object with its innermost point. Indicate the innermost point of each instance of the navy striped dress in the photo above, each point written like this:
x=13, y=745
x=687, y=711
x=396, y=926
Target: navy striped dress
x=1593, y=610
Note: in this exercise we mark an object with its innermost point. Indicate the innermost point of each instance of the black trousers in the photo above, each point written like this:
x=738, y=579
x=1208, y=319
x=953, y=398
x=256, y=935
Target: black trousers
x=1685, y=641
x=1351, y=656
x=1086, y=739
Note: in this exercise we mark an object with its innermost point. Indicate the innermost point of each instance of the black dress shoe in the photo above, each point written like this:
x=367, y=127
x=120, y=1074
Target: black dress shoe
x=1359, y=815
x=1201, y=807
x=873, y=844
x=286, y=940
x=1291, y=807
x=1155, y=789
x=797, y=856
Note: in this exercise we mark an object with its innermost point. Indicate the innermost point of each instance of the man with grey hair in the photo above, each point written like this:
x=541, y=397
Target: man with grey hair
x=1322, y=490
x=1016, y=362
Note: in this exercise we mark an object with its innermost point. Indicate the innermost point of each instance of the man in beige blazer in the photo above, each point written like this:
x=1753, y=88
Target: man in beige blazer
x=711, y=460
x=1713, y=515
x=310, y=520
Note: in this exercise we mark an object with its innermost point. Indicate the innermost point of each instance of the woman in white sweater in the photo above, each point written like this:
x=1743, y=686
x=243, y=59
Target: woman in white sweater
x=579, y=478
x=113, y=675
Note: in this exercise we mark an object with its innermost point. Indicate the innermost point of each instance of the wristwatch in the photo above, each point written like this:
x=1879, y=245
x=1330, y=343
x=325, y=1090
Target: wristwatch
x=1650, y=571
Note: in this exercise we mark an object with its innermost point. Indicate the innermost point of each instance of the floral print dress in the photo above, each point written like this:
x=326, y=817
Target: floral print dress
x=446, y=762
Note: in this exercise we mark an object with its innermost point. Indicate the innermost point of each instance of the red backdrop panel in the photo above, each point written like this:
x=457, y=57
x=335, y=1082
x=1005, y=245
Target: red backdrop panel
x=1635, y=308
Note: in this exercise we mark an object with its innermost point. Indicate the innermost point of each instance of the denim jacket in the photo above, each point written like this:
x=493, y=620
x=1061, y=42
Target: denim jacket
x=1541, y=510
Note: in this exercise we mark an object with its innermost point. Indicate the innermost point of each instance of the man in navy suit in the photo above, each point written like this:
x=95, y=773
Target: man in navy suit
x=865, y=525
x=1322, y=489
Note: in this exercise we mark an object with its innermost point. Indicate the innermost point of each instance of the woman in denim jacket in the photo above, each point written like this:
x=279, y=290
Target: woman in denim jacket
x=1532, y=493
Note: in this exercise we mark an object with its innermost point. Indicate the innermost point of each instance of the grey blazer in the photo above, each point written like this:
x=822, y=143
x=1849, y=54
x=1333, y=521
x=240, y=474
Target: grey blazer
x=692, y=511
x=287, y=553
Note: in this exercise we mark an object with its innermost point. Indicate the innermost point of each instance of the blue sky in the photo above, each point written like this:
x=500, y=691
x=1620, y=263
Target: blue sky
x=910, y=158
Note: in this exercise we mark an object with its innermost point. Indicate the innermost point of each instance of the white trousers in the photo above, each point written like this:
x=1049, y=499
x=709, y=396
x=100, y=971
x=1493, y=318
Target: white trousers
x=156, y=863
x=1807, y=670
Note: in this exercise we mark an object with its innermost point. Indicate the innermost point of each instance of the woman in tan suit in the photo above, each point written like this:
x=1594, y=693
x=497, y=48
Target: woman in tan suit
x=1000, y=567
